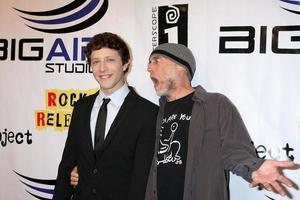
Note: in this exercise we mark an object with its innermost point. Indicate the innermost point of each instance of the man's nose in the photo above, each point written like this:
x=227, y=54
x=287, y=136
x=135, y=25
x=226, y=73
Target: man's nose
x=149, y=68
x=102, y=66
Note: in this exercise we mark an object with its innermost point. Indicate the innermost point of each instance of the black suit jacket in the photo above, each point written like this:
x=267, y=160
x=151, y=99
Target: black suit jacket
x=119, y=170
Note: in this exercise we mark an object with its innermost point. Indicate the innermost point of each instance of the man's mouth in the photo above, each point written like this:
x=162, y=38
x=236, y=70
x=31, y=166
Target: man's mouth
x=105, y=76
x=154, y=80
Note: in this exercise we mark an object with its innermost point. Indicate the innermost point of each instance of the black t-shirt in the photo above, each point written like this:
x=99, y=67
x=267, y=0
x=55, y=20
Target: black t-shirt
x=171, y=156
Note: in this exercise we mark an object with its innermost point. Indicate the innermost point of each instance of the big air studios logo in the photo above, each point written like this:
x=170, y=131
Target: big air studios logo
x=60, y=55
x=75, y=16
x=170, y=24
x=59, y=106
x=248, y=39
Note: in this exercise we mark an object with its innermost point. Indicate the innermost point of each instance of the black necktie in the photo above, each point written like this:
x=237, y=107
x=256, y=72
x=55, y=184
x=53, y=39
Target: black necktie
x=100, y=125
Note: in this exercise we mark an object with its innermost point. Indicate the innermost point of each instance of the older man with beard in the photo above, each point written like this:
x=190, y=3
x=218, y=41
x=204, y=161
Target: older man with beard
x=200, y=137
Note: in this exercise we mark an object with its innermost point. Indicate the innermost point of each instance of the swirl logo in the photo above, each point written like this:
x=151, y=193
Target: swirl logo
x=72, y=17
x=169, y=24
x=292, y=6
x=172, y=15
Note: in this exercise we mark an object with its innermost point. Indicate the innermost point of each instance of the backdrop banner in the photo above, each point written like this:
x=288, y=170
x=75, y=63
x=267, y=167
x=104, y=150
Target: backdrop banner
x=247, y=50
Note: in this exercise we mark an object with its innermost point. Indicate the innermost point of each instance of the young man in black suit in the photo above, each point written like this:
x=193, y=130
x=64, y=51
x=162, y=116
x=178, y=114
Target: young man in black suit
x=116, y=168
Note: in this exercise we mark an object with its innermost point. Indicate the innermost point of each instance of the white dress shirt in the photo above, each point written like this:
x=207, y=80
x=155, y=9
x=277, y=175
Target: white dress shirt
x=113, y=107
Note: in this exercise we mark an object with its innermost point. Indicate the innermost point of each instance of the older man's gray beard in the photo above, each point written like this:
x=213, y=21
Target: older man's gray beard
x=166, y=89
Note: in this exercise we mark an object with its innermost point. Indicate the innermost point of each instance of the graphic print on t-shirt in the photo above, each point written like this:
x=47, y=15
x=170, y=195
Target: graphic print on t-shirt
x=170, y=148
x=171, y=138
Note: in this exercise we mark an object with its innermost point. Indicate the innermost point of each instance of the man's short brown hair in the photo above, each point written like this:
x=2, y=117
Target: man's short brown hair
x=108, y=40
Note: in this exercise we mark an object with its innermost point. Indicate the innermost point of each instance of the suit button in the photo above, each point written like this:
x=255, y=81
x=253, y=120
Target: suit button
x=95, y=171
x=94, y=191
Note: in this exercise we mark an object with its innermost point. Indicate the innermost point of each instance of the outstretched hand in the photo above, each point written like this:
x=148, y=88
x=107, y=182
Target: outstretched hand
x=269, y=176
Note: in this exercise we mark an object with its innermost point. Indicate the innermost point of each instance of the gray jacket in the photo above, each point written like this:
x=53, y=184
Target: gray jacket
x=218, y=142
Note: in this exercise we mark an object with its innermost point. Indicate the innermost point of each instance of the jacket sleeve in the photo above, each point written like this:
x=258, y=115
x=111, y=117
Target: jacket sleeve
x=238, y=153
x=143, y=156
x=63, y=188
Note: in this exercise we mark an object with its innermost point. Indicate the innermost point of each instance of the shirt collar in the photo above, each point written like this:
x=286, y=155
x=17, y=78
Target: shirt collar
x=117, y=97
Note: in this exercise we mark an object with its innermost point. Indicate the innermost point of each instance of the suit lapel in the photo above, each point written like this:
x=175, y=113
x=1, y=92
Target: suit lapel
x=125, y=109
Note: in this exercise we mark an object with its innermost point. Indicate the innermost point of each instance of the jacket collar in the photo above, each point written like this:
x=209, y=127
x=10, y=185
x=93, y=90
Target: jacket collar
x=200, y=94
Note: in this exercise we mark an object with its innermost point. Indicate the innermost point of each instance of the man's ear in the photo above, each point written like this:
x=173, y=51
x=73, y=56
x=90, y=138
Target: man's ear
x=125, y=67
x=183, y=70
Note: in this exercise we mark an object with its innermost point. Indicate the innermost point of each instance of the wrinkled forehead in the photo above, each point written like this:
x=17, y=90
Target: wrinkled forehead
x=154, y=56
